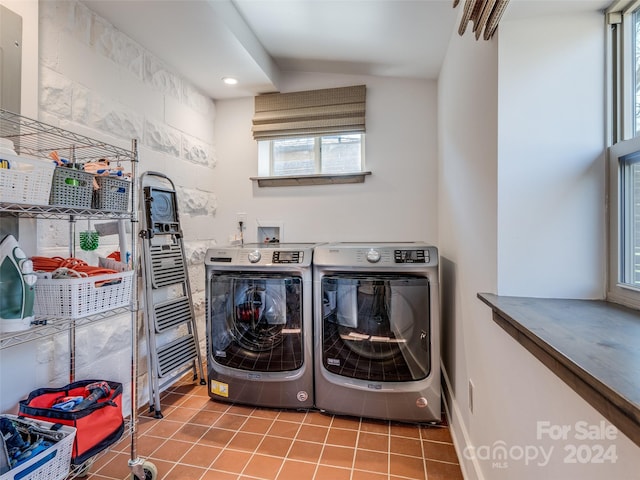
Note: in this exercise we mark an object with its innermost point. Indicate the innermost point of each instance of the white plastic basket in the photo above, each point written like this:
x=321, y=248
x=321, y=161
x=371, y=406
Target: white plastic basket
x=26, y=180
x=51, y=464
x=80, y=297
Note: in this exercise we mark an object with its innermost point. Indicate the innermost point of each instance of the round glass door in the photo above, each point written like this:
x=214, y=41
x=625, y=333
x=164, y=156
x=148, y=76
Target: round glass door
x=376, y=327
x=256, y=321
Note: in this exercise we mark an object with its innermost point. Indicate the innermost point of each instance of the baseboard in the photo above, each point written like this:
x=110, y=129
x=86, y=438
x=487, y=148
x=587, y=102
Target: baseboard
x=470, y=467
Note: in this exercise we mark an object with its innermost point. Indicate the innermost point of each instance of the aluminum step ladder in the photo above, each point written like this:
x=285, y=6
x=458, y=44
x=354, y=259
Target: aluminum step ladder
x=172, y=336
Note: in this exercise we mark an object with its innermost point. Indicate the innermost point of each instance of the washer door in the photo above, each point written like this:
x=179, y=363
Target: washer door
x=376, y=327
x=256, y=321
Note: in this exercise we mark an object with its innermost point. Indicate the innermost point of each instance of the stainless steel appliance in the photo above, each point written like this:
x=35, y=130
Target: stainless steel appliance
x=259, y=324
x=377, y=330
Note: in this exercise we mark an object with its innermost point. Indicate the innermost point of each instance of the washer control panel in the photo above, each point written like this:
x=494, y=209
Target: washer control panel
x=293, y=255
x=288, y=256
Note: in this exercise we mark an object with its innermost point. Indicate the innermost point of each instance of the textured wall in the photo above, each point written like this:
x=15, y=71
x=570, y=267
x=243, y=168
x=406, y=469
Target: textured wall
x=96, y=81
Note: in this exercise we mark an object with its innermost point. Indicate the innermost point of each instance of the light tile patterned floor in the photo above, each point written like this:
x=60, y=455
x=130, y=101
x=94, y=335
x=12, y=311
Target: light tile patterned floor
x=199, y=439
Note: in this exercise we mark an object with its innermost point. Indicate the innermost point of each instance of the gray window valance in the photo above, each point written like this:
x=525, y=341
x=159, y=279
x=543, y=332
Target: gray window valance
x=310, y=113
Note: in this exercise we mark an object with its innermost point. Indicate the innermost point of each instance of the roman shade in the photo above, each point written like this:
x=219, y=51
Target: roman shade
x=485, y=15
x=310, y=113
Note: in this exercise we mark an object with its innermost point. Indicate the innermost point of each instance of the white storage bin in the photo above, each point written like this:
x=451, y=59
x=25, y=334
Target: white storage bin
x=25, y=180
x=50, y=464
x=79, y=297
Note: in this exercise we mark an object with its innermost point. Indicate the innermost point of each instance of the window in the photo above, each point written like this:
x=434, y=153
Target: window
x=329, y=154
x=624, y=154
x=311, y=133
x=636, y=70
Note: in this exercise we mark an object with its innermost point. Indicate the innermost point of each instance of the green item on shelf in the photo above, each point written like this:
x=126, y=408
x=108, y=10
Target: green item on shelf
x=89, y=239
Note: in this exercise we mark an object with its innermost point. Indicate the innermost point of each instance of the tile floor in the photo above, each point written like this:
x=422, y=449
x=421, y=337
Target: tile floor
x=199, y=439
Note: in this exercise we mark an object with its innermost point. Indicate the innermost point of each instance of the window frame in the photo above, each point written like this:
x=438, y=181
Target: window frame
x=617, y=291
x=622, y=140
x=266, y=165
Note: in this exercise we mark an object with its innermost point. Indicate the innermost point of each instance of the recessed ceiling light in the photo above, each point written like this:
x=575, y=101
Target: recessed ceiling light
x=230, y=80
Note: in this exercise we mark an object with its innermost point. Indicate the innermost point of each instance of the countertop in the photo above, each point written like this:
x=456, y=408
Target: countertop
x=593, y=345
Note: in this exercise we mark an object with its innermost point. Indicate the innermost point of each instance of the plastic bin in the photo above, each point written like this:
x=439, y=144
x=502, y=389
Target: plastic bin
x=79, y=297
x=71, y=188
x=26, y=180
x=112, y=194
x=50, y=464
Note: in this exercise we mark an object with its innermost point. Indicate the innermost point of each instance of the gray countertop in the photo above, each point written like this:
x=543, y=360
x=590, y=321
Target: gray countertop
x=593, y=345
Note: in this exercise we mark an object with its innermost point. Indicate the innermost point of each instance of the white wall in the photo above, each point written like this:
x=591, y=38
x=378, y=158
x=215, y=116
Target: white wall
x=28, y=10
x=551, y=157
x=533, y=174
x=396, y=202
x=467, y=224
x=96, y=81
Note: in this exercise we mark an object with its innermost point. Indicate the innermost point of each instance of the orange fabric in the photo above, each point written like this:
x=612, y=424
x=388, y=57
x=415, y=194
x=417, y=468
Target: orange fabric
x=49, y=264
x=114, y=256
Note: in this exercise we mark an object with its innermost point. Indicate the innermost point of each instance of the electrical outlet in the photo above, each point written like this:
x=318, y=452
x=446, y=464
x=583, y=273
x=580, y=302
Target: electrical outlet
x=242, y=217
x=471, y=396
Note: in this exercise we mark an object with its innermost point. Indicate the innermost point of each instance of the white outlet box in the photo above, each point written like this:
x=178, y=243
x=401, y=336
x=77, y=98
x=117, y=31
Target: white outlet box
x=270, y=229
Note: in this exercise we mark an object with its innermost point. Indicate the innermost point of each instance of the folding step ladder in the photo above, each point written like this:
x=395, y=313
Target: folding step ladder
x=172, y=336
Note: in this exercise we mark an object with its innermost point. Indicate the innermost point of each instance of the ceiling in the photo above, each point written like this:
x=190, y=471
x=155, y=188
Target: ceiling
x=256, y=41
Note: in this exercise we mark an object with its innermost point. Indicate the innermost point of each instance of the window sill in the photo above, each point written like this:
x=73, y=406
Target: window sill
x=591, y=345
x=298, y=180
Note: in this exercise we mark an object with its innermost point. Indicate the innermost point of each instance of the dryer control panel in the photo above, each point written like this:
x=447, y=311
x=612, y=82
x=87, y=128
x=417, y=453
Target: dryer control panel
x=411, y=256
x=402, y=255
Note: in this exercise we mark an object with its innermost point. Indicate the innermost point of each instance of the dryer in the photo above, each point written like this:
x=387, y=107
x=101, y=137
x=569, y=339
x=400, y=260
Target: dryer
x=376, y=327
x=259, y=324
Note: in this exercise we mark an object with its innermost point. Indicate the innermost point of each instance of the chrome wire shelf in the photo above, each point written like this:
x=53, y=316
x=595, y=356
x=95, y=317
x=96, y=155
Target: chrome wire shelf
x=47, y=327
x=32, y=138
x=54, y=212
x=38, y=139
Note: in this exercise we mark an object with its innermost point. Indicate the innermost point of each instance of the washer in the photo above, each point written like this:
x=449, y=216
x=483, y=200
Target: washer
x=377, y=346
x=259, y=324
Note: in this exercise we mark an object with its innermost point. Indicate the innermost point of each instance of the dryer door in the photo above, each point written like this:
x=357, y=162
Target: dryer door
x=256, y=321
x=376, y=327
